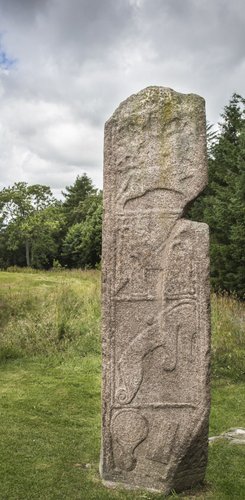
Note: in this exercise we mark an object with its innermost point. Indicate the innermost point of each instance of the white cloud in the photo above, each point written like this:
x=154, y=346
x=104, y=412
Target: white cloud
x=76, y=60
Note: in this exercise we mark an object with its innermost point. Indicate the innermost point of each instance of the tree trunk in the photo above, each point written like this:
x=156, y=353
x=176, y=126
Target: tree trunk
x=27, y=253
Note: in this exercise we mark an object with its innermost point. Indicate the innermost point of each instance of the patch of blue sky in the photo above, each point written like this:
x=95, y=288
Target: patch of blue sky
x=6, y=62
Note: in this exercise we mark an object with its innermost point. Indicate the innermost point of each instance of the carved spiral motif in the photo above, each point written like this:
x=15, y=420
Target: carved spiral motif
x=122, y=396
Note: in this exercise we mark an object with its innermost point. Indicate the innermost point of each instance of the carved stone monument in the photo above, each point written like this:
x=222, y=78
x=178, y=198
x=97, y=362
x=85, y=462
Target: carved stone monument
x=155, y=294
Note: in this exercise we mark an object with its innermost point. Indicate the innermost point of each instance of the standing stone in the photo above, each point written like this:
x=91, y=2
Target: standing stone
x=155, y=294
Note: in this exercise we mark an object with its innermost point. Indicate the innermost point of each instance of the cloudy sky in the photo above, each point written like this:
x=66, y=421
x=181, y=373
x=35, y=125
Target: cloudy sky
x=66, y=65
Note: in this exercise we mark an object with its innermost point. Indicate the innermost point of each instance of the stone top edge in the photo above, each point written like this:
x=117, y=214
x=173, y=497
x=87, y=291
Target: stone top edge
x=153, y=88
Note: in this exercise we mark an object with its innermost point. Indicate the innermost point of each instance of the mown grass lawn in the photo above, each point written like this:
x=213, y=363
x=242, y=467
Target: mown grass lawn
x=50, y=391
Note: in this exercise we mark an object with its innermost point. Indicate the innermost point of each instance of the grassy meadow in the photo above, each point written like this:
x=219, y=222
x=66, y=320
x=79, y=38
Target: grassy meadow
x=50, y=391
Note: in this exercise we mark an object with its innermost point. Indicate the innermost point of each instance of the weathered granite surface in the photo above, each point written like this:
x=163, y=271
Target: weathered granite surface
x=156, y=323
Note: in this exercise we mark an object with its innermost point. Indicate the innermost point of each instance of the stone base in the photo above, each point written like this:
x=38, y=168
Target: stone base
x=186, y=486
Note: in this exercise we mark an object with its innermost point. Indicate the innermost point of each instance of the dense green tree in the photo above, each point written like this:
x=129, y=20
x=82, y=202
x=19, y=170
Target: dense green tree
x=21, y=207
x=222, y=205
x=75, y=199
x=35, y=228
x=45, y=228
x=82, y=243
x=83, y=213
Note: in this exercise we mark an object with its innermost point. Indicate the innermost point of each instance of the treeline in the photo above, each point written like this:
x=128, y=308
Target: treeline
x=39, y=231
x=222, y=205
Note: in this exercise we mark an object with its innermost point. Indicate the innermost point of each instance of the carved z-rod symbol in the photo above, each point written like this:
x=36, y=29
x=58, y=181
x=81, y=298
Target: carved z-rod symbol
x=163, y=442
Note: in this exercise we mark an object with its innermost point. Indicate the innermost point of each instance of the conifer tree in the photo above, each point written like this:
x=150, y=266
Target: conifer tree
x=222, y=205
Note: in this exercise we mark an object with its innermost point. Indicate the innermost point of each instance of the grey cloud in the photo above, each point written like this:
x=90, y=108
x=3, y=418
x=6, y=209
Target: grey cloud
x=77, y=60
x=90, y=25
x=23, y=11
x=196, y=26
x=74, y=30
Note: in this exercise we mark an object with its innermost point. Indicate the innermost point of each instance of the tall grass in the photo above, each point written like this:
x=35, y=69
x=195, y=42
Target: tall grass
x=48, y=312
x=228, y=337
x=51, y=317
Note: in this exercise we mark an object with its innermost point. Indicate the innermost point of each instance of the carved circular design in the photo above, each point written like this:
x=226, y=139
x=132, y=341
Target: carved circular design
x=130, y=427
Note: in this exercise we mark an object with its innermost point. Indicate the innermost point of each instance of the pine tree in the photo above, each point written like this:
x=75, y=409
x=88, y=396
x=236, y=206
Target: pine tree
x=81, y=242
x=75, y=196
x=222, y=205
